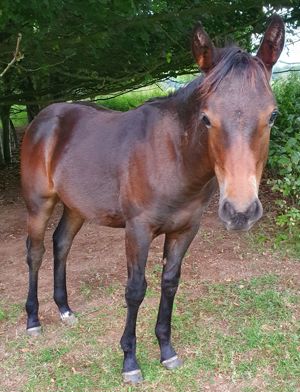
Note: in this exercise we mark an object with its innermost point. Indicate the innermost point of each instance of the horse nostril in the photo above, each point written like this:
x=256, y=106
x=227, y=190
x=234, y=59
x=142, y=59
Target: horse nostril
x=228, y=210
x=255, y=210
x=252, y=209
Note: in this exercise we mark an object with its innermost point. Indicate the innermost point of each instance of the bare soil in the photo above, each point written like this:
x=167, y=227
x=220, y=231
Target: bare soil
x=98, y=254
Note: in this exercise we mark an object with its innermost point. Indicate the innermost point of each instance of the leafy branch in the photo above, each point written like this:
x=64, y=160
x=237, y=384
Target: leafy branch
x=17, y=56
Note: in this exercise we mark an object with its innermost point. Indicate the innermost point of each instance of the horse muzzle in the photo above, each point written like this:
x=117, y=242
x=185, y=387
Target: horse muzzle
x=240, y=220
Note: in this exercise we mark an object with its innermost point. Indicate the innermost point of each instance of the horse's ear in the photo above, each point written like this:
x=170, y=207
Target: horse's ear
x=202, y=48
x=272, y=42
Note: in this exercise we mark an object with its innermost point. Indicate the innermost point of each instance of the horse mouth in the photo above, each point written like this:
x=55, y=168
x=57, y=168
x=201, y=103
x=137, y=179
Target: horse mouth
x=240, y=224
x=232, y=226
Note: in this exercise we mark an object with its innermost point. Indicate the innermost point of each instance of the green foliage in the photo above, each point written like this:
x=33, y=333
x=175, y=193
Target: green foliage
x=284, y=158
x=72, y=50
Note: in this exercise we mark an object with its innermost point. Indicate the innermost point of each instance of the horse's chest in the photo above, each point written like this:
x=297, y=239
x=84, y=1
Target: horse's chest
x=174, y=217
x=181, y=219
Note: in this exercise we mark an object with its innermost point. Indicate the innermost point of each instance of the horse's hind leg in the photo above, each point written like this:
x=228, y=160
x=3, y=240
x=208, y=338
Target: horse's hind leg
x=38, y=216
x=63, y=236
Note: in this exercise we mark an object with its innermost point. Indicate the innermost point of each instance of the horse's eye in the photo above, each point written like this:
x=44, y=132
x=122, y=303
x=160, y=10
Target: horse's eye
x=205, y=120
x=273, y=117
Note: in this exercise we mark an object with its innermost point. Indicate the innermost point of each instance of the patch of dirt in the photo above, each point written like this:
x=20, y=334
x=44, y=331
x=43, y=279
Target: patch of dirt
x=222, y=383
x=98, y=253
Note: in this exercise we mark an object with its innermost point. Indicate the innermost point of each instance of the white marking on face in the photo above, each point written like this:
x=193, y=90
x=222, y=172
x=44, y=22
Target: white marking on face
x=253, y=183
x=241, y=199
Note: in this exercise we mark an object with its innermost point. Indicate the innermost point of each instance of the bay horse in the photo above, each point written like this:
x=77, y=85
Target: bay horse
x=152, y=170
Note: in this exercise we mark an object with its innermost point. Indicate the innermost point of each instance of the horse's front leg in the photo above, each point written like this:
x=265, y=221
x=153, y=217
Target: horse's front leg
x=137, y=241
x=175, y=248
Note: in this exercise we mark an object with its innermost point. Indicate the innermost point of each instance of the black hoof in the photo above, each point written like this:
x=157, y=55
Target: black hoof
x=34, y=331
x=133, y=377
x=172, y=363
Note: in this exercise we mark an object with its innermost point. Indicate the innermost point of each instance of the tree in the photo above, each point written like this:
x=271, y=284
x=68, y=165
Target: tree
x=75, y=50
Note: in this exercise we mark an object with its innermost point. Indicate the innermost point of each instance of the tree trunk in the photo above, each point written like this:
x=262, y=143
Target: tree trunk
x=33, y=108
x=2, y=160
x=14, y=136
x=32, y=111
x=6, y=146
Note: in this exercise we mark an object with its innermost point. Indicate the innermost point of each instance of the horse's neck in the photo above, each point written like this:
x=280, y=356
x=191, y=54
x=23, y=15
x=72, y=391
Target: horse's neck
x=179, y=135
x=194, y=142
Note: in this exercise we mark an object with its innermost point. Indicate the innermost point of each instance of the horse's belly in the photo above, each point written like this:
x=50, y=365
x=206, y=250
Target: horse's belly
x=96, y=200
x=109, y=218
x=101, y=212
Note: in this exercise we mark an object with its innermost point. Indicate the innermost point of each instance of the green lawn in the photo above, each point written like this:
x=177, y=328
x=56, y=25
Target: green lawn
x=243, y=335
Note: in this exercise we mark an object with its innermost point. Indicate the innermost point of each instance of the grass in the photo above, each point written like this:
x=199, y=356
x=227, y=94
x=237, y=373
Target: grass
x=268, y=235
x=10, y=313
x=243, y=334
x=134, y=98
x=19, y=116
x=288, y=243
